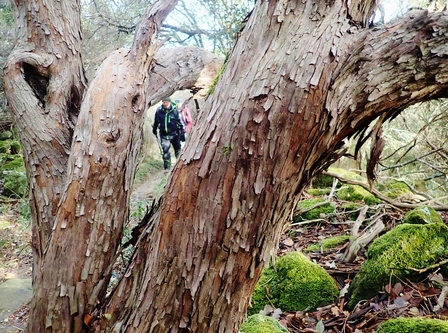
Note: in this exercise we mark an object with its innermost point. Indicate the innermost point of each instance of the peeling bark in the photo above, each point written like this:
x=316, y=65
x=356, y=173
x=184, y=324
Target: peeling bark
x=302, y=77
x=44, y=82
x=301, y=82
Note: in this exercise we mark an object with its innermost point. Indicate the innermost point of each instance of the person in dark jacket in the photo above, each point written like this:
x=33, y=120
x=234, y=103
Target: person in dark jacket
x=171, y=130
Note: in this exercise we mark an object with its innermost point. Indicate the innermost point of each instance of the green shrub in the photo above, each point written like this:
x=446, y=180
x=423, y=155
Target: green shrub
x=294, y=283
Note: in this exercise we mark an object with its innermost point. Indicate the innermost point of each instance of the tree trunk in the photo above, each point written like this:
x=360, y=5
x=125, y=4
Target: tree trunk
x=300, y=80
x=302, y=77
x=44, y=82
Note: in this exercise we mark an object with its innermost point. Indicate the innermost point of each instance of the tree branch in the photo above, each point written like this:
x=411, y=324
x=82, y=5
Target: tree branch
x=381, y=196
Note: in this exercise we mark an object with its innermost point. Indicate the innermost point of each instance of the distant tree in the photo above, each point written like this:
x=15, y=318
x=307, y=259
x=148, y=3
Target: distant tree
x=208, y=24
x=107, y=26
x=213, y=25
x=302, y=77
x=417, y=148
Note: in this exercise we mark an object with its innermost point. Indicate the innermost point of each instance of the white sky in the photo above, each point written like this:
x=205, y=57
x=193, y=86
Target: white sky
x=393, y=8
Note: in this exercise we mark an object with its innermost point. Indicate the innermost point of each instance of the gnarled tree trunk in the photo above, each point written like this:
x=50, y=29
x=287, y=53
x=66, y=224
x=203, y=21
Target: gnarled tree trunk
x=302, y=77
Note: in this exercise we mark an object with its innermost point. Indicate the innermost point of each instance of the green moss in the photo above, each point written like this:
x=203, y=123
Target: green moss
x=14, y=164
x=221, y=71
x=353, y=208
x=322, y=181
x=258, y=323
x=318, y=191
x=413, y=325
x=10, y=147
x=328, y=243
x=294, y=283
x=422, y=215
x=316, y=213
x=15, y=185
x=391, y=257
x=394, y=189
x=356, y=193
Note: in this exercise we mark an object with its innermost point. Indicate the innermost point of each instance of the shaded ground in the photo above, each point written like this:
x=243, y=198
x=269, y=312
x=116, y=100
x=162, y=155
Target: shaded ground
x=426, y=298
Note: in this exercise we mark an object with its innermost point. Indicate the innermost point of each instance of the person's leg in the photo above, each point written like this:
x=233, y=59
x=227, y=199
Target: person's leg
x=176, y=145
x=166, y=144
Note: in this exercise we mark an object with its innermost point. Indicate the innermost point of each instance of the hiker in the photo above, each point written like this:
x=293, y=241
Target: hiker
x=171, y=130
x=185, y=113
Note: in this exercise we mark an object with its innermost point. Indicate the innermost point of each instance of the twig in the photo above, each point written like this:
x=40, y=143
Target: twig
x=423, y=270
x=306, y=222
x=411, y=161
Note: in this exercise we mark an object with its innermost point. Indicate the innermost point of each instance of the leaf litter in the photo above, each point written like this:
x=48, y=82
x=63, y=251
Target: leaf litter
x=426, y=298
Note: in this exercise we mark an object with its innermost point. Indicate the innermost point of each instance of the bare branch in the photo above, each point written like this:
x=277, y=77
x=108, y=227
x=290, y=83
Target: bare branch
x=381, y=196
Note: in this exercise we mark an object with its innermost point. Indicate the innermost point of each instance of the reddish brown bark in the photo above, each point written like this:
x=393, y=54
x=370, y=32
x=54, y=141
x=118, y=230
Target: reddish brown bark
x=298, y=82
x=303, y=77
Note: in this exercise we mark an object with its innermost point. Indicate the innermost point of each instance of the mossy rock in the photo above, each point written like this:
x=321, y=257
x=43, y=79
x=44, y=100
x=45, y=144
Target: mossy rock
x=322, y=181
x=316, y=213
x=294, y=283
x=422, y=215
x=317, y=192
x=413, y=325
x=347, y=174
x=326, y=181
x=356, y=193
x=394, y=255
x=4, y=135
x=15, y=185
x=328, y=243
x=394, y=189
x=258, y=323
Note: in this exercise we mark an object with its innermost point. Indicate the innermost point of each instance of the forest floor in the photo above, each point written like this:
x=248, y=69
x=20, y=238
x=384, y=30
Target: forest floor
x=406, y=298
x=409, y=299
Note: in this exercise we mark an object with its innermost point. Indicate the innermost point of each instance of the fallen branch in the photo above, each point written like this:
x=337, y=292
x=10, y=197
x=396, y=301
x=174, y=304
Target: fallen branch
x=361, y=241
x=381, y=196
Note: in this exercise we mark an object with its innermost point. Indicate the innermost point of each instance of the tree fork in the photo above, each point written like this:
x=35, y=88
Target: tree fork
x=302, y=77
